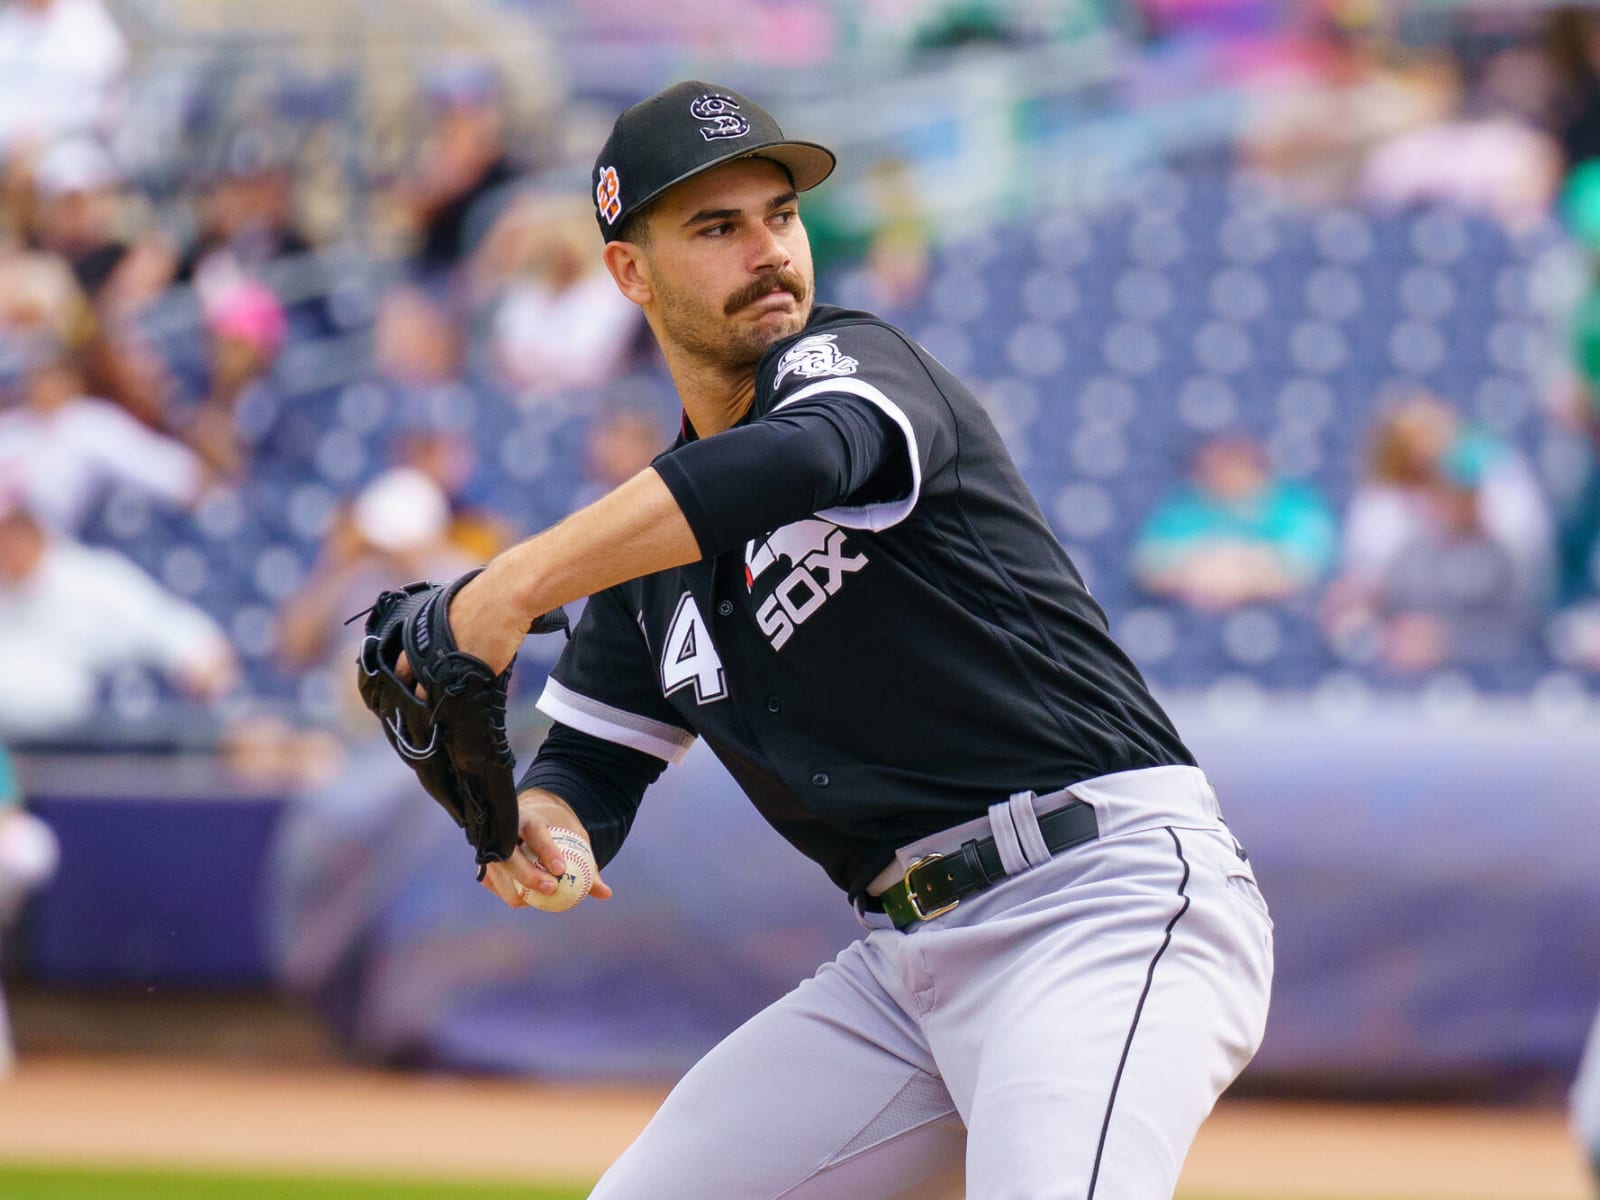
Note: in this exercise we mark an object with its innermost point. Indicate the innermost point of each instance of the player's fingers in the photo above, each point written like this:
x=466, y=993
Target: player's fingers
x=529, y=872
x=537, y=843
x=504, y=885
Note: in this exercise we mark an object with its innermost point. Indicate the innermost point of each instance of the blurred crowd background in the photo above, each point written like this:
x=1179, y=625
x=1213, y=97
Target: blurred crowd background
x=1288, y=312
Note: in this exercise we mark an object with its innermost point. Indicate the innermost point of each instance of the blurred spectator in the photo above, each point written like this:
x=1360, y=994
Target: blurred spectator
x=63, y=450
x=883, y=246
x=1447, y=545
x=1480, y=155
x=70, y=615
x=122, y=364
x=621, y=443
x=29, y=854
x=1579, y=513
x=80, y=211
x=246, y=328
x=396, y=530
x=1451, y=596
x=897, y=258
x=245, y=210
x=1575, y=432
x=443, y=202
x=416, y=344
x=1235, y=534
x=1411, y=446
x=1575, y=405
x=419, y=360
x=268, y=750
x=1311, y=136
x=560, y=323
x=75, y=196
x=39, y=296
x=450, y=461
x=63, y=63
x=1572, y=47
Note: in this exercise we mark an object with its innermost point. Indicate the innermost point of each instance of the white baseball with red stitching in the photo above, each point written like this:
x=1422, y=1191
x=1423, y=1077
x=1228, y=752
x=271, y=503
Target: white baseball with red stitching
x=570, y=887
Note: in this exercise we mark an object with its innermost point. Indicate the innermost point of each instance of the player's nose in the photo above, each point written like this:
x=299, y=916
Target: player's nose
x=768, y=252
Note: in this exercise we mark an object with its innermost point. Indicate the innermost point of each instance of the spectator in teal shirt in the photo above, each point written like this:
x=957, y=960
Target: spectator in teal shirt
x=1235, y=535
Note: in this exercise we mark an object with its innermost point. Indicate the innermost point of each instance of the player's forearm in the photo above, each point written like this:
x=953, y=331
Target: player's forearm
x=637, y=529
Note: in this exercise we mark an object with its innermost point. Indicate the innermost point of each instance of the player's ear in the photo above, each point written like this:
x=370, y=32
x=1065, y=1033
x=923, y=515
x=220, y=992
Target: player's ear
x=630, y=268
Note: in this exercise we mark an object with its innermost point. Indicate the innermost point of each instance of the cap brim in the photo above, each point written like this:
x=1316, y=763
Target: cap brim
x=808, y=164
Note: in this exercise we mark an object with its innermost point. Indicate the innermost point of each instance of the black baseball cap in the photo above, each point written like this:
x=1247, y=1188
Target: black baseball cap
x=689, y=128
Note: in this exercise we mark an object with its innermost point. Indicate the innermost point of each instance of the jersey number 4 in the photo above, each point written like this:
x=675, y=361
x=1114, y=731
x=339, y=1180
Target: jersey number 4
x=690, y=658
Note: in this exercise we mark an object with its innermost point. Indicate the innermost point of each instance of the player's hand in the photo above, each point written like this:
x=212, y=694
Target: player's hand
x=485, y=623
x=539, y=861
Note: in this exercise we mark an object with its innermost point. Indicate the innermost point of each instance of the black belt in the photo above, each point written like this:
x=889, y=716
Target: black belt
x=935, y=883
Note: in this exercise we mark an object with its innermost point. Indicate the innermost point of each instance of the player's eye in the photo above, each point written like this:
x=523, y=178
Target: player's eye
x=785, y=216
x=720, y=229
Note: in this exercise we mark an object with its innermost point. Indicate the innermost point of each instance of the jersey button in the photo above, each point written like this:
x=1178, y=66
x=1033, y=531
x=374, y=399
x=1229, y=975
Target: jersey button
x=725, y=609
x=773, y=705
x=820, y=779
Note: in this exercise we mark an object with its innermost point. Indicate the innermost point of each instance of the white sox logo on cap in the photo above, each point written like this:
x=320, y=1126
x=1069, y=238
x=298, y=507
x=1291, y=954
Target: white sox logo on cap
x=722, y=114
x=608, y=195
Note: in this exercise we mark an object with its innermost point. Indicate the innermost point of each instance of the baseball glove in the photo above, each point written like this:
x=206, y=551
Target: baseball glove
x=452, y=734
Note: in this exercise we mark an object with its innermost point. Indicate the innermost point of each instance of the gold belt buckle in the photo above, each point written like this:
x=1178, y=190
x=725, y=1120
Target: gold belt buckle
x=911, y=892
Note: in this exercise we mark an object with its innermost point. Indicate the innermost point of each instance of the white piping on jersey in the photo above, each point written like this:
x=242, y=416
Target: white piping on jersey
x=871, y=517
x=587, y=715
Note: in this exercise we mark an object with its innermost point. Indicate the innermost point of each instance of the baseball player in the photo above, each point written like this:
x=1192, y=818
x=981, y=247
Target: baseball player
x=836, y=578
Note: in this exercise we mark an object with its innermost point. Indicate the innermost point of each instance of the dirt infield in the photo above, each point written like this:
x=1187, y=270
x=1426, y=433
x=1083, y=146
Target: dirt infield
x=136, y=1109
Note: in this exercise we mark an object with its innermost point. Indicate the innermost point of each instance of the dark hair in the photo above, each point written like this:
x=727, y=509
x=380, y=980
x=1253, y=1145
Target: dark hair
x=635, y=227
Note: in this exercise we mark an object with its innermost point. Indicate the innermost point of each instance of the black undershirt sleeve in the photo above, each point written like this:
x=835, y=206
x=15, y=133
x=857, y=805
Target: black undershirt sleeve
x=602, y=781
x=791, y=464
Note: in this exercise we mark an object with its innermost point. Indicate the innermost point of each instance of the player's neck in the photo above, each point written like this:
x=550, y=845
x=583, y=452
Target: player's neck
x=713, y=399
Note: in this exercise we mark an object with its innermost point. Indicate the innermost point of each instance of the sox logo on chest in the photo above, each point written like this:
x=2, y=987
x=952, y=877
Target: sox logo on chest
x=817, y=562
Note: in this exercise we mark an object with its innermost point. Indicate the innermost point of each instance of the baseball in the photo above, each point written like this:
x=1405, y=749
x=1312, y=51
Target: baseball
x=571, y=887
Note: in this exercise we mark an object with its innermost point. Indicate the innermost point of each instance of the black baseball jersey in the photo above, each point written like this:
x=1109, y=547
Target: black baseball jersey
x=883, y=669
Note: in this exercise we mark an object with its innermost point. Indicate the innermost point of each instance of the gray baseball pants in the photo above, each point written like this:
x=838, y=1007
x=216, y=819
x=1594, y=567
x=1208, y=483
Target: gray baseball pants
x=1061, y=1034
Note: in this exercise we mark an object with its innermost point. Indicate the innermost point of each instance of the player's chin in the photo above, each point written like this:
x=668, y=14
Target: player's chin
x=763, y=329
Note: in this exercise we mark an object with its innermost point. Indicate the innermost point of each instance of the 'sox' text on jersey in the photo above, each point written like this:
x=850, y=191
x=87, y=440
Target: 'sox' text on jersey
x=803, y=565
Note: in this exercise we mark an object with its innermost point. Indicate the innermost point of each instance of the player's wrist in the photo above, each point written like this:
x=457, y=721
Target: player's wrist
x=514, y=580
x=540, y=804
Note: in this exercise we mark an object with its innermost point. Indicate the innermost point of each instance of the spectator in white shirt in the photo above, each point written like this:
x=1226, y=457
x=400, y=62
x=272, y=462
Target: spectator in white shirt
x=71, y=614
x=63, y=63
x=558, y=326
x=63, y=449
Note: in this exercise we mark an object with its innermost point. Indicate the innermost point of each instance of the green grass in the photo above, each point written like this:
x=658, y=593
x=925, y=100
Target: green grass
x=109, y=1183
x=134, y=1183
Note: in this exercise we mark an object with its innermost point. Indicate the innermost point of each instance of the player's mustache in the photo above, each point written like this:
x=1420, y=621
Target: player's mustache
x=788, y=281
